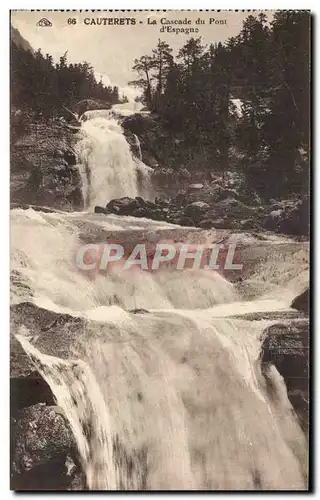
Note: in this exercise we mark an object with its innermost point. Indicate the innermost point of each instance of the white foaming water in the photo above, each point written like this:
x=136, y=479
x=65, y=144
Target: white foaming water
x=108, y=168
x=170, y=399
x=54, y=274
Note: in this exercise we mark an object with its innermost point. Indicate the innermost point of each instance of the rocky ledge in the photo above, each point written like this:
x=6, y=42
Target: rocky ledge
x=44, y=168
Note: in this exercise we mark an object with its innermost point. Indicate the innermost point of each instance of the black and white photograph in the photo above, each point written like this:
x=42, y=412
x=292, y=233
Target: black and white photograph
x=159, y=250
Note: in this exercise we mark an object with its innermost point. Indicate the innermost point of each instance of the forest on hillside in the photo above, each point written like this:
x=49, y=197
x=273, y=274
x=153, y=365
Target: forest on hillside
x=40, y=85
x=267, y=68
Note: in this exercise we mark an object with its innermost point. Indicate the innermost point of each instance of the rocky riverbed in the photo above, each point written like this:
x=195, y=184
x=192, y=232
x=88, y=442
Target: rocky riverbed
x=211, y=206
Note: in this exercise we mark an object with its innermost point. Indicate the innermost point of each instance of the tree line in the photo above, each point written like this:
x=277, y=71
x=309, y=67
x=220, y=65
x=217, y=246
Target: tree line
x=265, y=68
x=42, y=86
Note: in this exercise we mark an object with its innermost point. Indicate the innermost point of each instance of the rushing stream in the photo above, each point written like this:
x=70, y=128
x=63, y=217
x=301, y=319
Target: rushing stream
x=171, y=397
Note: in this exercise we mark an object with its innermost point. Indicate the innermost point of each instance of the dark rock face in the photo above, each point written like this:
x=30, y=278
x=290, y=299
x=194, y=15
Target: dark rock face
x=43, y=449
x=139, y=311
x=138, y=123
x=43, y=167
x=100, y=210
x=286, y=346
x=133, y=143
x=70, y=157
x=289, y=217
x=44, y=454
x=206, y=224
x=196, y=210
x=148, y=131
x=301, y=303
x=123, y=206
x=186, y=221
x=28, y=391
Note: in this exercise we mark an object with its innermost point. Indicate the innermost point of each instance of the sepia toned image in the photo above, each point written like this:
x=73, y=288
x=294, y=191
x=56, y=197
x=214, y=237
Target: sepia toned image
x=159, y=227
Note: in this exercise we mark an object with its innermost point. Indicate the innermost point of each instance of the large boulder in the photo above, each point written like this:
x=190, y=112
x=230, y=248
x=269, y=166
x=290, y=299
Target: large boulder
x=123, y=206
x=289, y=217
x=44, y=452
x=286, y=346
x=100, y=210
x=195, y=187
x=196, y=210
x=184, y=221
x=301, y=303
x=138, y=123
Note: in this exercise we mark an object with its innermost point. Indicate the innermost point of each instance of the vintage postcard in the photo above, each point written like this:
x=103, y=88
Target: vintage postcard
x=159, y=212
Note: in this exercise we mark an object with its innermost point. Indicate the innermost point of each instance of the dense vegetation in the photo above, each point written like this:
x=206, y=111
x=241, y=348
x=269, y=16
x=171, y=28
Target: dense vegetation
x=43, y=87
x=267, y=67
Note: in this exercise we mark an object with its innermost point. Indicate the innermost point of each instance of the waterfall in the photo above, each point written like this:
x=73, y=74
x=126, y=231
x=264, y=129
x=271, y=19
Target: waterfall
x=107, y=166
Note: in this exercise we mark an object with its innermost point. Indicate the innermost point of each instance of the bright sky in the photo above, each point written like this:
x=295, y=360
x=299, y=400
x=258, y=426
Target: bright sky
x=112, y=49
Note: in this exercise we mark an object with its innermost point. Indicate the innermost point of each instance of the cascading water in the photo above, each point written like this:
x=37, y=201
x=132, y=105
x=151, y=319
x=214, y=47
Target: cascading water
x=108, y=167
x=168, y=398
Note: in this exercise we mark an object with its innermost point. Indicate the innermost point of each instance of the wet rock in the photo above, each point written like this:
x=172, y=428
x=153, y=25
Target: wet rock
x=91, y=104
x=271, y=222
x=301, y=303
x=185, y=221
x=151, y=205
x=20, y=286
x=29, y=390
x=123, y=206
x=286, y=346
x=42, y=448
x=141, y=212
x=223, y=194
x=141, y=201
x=138, y=123
x=181, y=199
x=100, y=210
x=162, y=201
x=41, y=176
x=289, y=217
x=49, y=331
x=157, y=215
x=247, y=224
x=133, y=143
x=220, y=224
